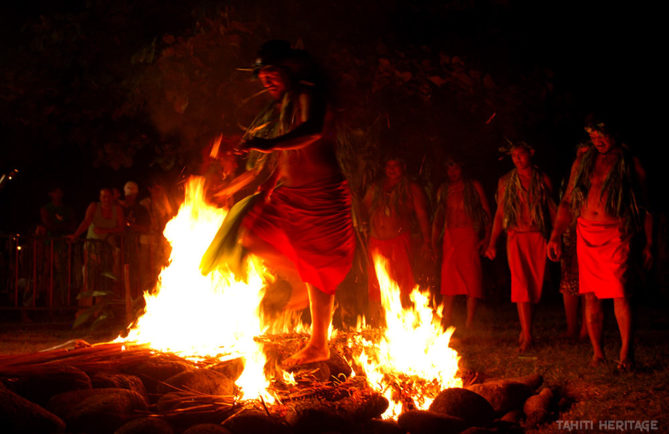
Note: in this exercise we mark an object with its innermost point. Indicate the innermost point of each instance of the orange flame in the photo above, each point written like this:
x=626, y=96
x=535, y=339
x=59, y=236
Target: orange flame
x=413, y=355
x=217, y=315
x=194, y=315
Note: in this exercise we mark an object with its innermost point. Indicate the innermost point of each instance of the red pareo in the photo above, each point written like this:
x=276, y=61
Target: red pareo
x=602, y=258
x=311, y=225
x=526, y=252
x=461, y=263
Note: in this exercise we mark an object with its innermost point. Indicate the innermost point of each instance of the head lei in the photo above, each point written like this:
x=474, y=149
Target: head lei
x=454, y=159
x=509, y=146
x=596, y=123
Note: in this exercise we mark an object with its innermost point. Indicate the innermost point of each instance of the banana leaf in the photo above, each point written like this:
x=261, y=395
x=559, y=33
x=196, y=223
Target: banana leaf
x=225, y=249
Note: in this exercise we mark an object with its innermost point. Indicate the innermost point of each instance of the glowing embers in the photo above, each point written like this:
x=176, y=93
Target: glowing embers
x=412, y=362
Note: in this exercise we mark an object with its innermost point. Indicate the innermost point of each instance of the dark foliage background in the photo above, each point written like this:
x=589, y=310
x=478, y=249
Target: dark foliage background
x=94, y=93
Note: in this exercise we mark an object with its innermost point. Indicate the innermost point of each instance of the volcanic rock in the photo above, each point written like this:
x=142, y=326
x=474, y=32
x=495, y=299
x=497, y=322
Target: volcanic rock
x=207, y=428
x=120, y=381
x=537, y=407
x=201, y=380
x=378, y=426
x=429, y=422
x=157, y=369
x=251, y=422
x=145, y=425
x=349, y=401
x=507, y=427
x=319, y=421
x=230, y=368
x=533, y=381
x=514, y=416
x=97, y=410
x=464, y=404
x=18, y=415
x=38, y=384
x=338, y=365
x=503, y=395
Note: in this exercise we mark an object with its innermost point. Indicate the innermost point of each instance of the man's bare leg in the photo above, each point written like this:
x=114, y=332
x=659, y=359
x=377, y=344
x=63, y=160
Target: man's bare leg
x=449, y=300
x=584, y=322
x=571, y=313
x=472, y=302
x=595, y=320
x=282, y=265
x=525, y=317
x=317, y=350
x=623, y=314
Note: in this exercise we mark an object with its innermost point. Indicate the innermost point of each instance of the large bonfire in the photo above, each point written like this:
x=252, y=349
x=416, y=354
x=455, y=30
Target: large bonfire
x=217, y=316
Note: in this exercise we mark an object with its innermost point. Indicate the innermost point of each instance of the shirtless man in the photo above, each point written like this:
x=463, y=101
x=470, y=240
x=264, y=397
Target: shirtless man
x=304, y=223
x=391, y=205
x=524, y=210
x=606, y=185
x=463, y=217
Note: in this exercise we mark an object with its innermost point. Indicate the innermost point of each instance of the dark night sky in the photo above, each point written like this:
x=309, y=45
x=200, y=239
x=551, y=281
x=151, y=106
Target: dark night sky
x=603, y=56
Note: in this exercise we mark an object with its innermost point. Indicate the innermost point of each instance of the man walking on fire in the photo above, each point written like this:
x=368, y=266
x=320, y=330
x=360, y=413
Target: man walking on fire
x=302, y=224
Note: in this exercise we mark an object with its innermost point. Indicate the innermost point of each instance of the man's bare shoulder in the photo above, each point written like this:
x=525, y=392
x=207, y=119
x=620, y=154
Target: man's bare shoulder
x=415, y=187
x=504, y=179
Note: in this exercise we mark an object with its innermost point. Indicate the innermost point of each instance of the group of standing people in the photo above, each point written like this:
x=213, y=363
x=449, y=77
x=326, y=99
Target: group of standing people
x=300, y=220
x=123, y=240
x=590, y=232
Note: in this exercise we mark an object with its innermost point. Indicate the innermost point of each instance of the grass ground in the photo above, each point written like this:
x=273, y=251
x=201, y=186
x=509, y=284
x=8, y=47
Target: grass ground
x=593, y=394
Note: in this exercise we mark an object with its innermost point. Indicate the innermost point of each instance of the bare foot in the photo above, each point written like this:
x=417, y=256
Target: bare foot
x=596, y=361
x=525, y=345
x=625, y=365
x=308, y=354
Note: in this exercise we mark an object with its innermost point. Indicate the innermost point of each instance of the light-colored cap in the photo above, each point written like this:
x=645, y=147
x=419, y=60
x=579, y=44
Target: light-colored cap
x=130, y=188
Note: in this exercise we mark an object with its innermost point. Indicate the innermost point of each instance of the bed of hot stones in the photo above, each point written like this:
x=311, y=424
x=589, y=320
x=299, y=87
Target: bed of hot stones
x=119, y=388
x=203, y=358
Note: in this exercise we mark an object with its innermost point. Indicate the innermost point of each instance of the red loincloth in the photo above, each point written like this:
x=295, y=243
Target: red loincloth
x=602, y=258
x=526, y=252
x=396, y=251
x=461, y=263
x=311, y=225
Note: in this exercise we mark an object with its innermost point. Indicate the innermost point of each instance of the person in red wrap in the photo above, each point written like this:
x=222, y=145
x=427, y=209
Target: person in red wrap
x=525, y=210
x=463, y=220
x=606, y=193
x=391, y=206
x=304, y=222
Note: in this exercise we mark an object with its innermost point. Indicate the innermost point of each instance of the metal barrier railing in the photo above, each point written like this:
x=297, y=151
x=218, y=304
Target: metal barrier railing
x=49, y=273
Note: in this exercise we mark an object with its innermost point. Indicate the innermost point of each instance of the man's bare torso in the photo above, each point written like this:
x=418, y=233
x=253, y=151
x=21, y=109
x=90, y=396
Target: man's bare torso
x=456, y=214
x=311, y=164
x=594, y=207
x=390, y=220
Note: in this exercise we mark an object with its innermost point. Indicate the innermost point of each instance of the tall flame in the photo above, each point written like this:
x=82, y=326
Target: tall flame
x=214, y=315
x=217, y=315
x=412, y=359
